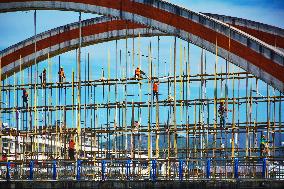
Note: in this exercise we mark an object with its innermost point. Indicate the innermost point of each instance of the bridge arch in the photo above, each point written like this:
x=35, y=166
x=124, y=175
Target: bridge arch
x=66, y=38
x=253, y=55
x=271, y=35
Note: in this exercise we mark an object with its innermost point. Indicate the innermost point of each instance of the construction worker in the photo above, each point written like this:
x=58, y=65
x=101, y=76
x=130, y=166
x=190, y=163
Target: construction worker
x=169, y=100
x=71, y=149
x=136, y=124
x=263, y=146
x=223, y=111
x=25, y=97
x=136, y=127
x=156, y=90
x=138, y=73
x=61, y=75
x=43, y=77
x=103, y=75
x=4, y=156
x=222, y=148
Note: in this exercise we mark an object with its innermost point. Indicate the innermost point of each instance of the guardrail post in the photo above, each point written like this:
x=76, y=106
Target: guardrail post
x=236, y=168
x=128, y=169
x=153, y=172
x=263, y=167
x=54, y=170
x=180, y=169
x=31, y=170
x=79, y=165
x=8, y=176
x=103, y=169
x=208, y=162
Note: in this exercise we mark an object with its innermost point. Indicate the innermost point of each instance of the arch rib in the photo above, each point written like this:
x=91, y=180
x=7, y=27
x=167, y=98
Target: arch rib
x=66, y=38
x=255, y=56
x=272, y=35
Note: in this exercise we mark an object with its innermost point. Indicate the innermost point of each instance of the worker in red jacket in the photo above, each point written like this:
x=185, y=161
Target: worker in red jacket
x=71, y=149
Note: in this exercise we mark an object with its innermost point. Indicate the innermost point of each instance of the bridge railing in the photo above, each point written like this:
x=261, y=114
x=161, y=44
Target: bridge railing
x=153, y=169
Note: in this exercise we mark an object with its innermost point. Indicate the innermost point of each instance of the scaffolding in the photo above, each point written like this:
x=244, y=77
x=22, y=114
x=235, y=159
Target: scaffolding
x=117, y=122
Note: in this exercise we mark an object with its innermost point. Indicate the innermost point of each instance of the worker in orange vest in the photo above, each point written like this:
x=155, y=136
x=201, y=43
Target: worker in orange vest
x=156, y=89
x=61, y=74
x=138, y=73
x=71, y=149
x=25, y=97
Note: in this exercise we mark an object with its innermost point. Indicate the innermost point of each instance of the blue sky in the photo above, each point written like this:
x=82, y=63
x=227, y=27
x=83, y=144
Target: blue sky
x=17, y=26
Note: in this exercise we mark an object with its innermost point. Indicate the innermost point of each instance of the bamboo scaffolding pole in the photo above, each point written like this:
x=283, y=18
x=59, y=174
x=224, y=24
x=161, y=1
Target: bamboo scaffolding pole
x=233, y=120
x=1, y=121
x=247, y=117
x=174, y=110
x=78, y=143
x=125, y=95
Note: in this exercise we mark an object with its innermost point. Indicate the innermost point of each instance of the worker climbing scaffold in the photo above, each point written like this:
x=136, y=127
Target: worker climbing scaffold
x=43, y=77
x=61, y=75
x=223, y=113
x=264, y=146
x=156, y=90
x=25, y=97
x=71, y=149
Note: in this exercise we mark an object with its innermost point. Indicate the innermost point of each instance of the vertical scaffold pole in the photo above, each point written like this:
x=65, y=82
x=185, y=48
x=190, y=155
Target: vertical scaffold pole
x=79, y=166
x=153, y=172
x=264, y=168
x=180, y=170
x=208, y=168
x=1, y=142
x=236, y=168
x=79, y=88
x=128, y=169
x=103, y=170
x=175, y=102
x=31, y=170
x=8, y=176
x=54, y=170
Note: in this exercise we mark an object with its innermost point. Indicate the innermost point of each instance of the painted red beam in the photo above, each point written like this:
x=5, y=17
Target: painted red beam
x=93, y=29
x=66, y=38
x=271, y=39
x=253, y=55
x=271, y=35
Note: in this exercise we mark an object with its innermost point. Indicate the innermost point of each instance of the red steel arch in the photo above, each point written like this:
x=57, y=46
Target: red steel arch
x=271, y=35
x=66, y=38
x=253, y=55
